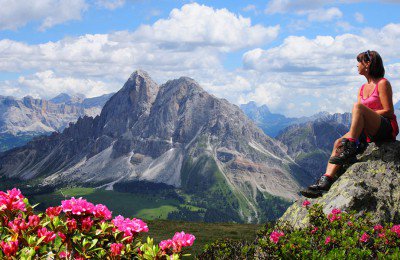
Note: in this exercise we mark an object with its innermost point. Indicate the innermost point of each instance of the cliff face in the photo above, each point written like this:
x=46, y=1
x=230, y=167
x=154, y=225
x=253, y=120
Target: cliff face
x=370, y=185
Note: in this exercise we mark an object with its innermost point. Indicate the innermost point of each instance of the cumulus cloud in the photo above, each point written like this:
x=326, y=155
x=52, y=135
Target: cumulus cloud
x=199, y=25
x=17, y=13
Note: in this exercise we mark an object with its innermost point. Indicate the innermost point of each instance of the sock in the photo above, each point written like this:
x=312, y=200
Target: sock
x=352, y=140
x=330, y=177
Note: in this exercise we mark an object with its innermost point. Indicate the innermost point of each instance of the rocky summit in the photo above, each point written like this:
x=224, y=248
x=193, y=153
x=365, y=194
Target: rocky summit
x=176, y=134
x=370, y=185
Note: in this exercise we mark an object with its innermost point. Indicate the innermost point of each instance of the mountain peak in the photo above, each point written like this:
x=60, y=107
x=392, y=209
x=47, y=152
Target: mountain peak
x=134, y=99
x=66, y=98
x=139, y=74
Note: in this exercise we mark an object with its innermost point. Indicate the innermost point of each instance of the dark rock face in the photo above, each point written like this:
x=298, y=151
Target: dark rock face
x=175, y=134
x=370, y=185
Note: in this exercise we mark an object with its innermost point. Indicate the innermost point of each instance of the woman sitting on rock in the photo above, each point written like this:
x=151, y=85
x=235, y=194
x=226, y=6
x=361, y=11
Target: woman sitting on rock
x=372, y=117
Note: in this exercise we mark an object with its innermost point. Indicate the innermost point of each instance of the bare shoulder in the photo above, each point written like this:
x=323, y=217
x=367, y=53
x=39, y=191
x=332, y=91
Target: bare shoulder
x=384, y=85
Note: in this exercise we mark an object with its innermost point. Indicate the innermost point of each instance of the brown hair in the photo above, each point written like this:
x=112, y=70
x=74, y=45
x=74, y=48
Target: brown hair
x=376, y=68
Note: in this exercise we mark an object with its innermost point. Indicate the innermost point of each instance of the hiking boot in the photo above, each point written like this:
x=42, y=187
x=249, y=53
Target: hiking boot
x=347, y=153
x=319, y=188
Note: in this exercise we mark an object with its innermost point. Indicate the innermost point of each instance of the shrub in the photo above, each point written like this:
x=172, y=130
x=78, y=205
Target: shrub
x=77, y=229
x=337, y=235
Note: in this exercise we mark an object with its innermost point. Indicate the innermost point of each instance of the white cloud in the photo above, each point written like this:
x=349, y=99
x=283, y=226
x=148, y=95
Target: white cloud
x=345, y=26
x=285, y=6
x=199, y=25
x=47, y=84
x=359, y=17
x=324, y=15
x=249, y=8
x=110, y=4
x=17, y=13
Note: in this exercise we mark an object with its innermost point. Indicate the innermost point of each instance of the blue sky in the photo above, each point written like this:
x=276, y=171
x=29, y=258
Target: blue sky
x=297, y=57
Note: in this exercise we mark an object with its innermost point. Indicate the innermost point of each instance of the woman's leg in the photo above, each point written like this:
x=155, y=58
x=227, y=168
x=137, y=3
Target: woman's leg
x=331, y=168
x=363, y=118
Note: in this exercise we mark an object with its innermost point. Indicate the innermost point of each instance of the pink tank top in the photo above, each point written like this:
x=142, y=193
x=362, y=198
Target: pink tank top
x=373, y=101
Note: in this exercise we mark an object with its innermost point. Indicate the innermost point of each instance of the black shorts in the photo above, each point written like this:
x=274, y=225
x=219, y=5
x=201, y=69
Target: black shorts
x=384, y=132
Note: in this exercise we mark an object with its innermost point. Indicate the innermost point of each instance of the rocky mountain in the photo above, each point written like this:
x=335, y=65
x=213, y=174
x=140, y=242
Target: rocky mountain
x=368, y=186
x=272, y=124
x=176, y=134
x=310, y=144
x=21, y=120
x=68, y=99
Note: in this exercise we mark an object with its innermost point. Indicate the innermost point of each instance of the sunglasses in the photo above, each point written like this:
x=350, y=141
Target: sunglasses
x=366, y=59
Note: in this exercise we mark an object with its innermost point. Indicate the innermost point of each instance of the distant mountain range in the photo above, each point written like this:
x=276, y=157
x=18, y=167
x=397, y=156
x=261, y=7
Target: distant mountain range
x=22, y=119
x=176, y=134
x=272, y=124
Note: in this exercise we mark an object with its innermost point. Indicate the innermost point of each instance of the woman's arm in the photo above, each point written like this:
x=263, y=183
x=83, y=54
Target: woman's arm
x=386, y=97
x=359, y=96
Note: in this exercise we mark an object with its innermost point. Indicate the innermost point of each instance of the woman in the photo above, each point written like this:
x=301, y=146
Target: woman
x=372, y=116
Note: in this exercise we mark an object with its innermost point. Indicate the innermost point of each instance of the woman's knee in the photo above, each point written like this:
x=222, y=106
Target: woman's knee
x=358, y=107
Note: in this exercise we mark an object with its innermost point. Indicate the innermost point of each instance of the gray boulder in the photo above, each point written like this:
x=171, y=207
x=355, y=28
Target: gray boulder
x=370, y=185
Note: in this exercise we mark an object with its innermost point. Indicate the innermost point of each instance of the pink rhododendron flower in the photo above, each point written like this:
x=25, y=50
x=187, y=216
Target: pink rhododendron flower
x=71, y=224
x=396, y=229
x=350, y=224
x=33, y=221
x=165, y=244
x=333, y=217
x=306, y=203
x=364, y=238
x=62, y=236
x=53, y=211
x=87, y=224
x=274, y=237
x=102, y=211
x=327, y=240
x=65, y=254
x=43, y=232
x=9, y=248
x=18, y=224
x=381, y=235
x=12, y=200
x=116, y=249
x=378, y=227
x=336, y=211
x=314, y=230
x=179, y=240
x=130, y=227
x=77, y=206
x=183, y=239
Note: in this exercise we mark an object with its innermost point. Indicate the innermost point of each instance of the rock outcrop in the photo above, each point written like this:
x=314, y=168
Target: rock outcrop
x=370, y=185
